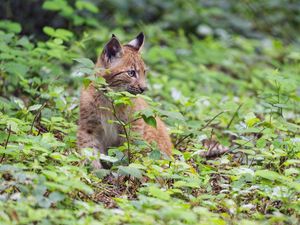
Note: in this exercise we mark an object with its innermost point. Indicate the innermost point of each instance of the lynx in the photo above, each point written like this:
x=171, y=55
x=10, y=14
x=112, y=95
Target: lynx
x=126, y=72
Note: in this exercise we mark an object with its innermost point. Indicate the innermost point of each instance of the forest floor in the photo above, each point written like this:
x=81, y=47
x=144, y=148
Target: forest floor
x=237, y=94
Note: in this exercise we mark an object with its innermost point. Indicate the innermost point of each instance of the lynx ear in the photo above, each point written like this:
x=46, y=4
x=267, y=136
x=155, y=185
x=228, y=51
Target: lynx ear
x=138, y=42
x=112, y=50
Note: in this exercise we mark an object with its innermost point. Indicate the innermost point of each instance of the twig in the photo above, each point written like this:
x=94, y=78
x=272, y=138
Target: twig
x=234, y=115
x=7, y=139
x=132, y=121
x=36, y=116
x=211, y=120
x=210, y=148
x=251, y=162
x=231, y=150
x=202, y=128
x=6, y=143
x=125, y=130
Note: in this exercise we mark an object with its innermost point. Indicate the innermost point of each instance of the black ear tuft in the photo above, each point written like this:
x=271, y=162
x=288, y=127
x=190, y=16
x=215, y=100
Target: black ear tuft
x=138, y=42
x=140, y=37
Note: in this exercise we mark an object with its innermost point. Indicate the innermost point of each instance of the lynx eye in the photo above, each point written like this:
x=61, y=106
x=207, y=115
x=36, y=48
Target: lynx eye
x=132, y=73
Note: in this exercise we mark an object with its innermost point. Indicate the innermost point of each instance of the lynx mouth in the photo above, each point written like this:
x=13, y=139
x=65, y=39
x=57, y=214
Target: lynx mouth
x=135, y=91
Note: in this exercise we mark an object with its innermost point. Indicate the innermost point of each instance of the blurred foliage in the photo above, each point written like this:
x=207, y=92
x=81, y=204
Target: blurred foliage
x=250, y=18
x=225, y=71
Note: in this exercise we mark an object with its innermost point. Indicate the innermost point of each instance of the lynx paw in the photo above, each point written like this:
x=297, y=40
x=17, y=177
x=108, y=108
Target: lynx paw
x=96, y=165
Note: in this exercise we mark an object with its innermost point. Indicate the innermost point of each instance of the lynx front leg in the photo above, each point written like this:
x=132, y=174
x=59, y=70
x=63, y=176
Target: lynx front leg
x=90, y=139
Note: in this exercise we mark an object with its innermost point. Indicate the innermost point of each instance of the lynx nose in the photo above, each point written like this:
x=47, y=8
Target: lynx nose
x=143, y=89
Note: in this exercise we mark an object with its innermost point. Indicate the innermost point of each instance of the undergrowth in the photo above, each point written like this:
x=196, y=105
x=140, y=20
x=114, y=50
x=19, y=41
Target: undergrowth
x=236, y=93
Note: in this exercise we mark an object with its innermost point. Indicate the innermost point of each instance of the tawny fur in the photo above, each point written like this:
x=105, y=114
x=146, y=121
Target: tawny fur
x=96, y=109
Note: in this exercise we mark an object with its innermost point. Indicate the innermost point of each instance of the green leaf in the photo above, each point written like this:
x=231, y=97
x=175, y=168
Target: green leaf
x=291, y=171
x=108, y=158
x=261, y=143
x=150, y=120
x=10, y=26
x=155, y=155
x=86, y=82
x=101, y=173
x=19, y=103
x=55, y=5
x=43, y=202
x=100, y=81
x=251, y=119
x=82, y=187
x=127, y=170
x=58, y=33
x=57, y=156
x=85, y=62
x=159, y=193
x=16, y=68
x=56, y=197
x=49, y=30
x=270, y=175
x=34, y=107
x=63, y=34
x=86, y=5
x=173, y=115
x=191, y=182
x=13, y=126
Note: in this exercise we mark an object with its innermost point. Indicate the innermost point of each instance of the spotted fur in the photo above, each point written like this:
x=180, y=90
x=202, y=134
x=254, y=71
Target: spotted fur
x=95, y=130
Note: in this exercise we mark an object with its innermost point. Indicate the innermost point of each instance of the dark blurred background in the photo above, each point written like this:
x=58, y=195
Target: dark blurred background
x=250, y=18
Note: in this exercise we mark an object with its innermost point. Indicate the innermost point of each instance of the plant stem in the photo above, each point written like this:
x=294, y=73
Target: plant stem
x=6, y=143
x=124, y=129
x=202, y=128
x=234, y=115
x=36, y=116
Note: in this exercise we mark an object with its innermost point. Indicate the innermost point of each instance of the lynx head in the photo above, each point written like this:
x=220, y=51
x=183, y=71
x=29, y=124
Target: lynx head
x=126, y=69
